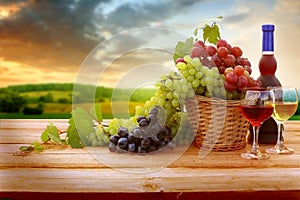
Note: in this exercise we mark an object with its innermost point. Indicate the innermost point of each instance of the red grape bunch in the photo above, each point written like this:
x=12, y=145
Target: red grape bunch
x=235, y=69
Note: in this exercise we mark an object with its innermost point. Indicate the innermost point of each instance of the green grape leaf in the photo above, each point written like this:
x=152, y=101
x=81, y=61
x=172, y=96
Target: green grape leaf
x=96, y=112
x=37, y=146
x=183, y=48
x=44, y=136
x=83, y=122
x=72, y=135
x=211, y=34
x=52, y=133
x=80, y=126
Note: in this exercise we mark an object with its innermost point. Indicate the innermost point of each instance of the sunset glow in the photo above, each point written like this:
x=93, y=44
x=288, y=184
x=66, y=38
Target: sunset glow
x=47, y=41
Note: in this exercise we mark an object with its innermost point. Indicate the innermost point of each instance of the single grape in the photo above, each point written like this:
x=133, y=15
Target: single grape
x=231, y=78
x=192, y=71
x=246, y=62
x=185, y=73
x=239, y=70
x=248, y=69
x=181, y=65
x=222, y=43
x=137, y=132
x=195, y=83
x=140, y=118
x=143, y=122
x=178, y=60
x=229, y=60
x=199, y=43
x=222, y=69
x=195, y=62
x=229, y=48
x=175, y=103
x=239, y=60
x=222, y=52
x=114, y=139
x=246, y=74
x=131, y=147
x=229, y=87
x=123, y=132
x=169, y=83
x=112, y=147
x=196, y=52
x=145, y=143
x=216, y=59
x=228, y=70
x=236, y=51
x=198, y=75
x=211, y=50
x=187, y=58
x=190, y=78
x=123, y=142
x=242, y=82
x=169, y=95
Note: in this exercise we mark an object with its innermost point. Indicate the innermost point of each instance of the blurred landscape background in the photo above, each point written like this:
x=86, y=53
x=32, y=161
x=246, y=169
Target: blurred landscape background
x=54, y=100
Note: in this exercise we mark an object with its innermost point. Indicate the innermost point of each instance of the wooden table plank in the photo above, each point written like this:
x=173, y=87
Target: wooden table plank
x=61, y=169
x=66, y=157
x=163, y=180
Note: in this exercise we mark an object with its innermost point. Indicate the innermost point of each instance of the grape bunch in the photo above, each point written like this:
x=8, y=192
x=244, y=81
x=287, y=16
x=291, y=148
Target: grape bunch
x=148, y=136
x=210, y=82
x=115, y=123
x=171, y=92
x=234, y=70
x=101, y=133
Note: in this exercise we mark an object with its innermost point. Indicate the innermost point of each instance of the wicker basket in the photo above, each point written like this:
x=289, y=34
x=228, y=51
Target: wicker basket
x=218, y=124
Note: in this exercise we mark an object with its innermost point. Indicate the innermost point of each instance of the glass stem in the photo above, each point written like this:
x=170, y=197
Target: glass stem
x=255, y=146
x=280, y=134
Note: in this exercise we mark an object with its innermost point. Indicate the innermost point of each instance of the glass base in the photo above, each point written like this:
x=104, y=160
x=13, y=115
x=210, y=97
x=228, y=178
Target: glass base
x=280, y=150
x=255, y=156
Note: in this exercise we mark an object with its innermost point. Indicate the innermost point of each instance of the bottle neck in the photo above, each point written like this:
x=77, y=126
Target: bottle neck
x=268, y=41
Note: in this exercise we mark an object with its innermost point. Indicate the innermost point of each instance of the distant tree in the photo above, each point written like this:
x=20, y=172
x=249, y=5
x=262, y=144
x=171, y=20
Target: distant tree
x=63, y=100
x=46, y=98
x=11, y=101
x=39, y=109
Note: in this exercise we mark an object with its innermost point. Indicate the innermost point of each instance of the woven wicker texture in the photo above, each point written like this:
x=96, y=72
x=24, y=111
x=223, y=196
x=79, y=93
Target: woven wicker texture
x=218, y=124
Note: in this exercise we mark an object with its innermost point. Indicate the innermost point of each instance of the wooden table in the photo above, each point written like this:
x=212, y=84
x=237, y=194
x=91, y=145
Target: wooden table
x=61, y=172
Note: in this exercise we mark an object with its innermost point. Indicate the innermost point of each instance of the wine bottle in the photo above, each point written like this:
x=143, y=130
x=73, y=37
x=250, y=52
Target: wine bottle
x=267, y=67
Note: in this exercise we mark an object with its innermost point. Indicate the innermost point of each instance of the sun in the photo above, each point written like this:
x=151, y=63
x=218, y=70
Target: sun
x=8, y=10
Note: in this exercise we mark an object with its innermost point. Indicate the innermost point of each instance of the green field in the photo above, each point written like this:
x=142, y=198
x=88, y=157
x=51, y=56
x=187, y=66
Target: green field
x=56, y=100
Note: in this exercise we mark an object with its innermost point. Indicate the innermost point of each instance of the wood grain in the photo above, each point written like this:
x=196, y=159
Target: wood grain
x=61, y=169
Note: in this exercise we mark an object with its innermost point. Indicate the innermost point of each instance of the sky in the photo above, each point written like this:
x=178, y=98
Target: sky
x=112, y=42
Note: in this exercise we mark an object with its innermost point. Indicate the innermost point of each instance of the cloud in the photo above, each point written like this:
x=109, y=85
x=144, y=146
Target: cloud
x=58, y=35
x=50, y=34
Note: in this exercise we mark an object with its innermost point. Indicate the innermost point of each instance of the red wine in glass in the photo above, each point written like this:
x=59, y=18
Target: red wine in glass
x=256, y=108
x=256, y=115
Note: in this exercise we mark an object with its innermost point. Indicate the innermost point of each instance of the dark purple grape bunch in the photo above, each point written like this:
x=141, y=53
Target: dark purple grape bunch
x=149, y=136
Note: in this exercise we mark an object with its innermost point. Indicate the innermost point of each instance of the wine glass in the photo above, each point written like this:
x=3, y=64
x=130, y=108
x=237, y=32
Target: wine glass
x=256, y=107
x=285, y=106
